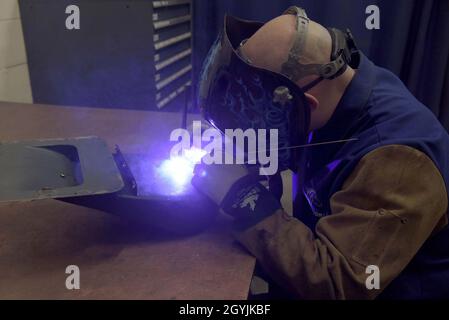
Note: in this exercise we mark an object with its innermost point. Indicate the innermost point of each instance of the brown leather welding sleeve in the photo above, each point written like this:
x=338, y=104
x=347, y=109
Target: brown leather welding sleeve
x=390, y=204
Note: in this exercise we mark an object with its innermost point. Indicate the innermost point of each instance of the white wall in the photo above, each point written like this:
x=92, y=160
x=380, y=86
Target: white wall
x=14, y=76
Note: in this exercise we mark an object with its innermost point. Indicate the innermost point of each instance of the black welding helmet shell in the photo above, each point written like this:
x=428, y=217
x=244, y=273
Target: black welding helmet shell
x=235, y=94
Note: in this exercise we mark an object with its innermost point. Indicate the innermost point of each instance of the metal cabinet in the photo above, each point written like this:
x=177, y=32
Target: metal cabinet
x=172, y=23
x=134, y=54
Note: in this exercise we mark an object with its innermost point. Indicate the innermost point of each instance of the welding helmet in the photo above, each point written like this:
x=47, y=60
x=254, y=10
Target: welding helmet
x=234, y=93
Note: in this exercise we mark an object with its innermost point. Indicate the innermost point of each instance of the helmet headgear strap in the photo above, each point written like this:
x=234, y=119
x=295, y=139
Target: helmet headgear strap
x=340, y=56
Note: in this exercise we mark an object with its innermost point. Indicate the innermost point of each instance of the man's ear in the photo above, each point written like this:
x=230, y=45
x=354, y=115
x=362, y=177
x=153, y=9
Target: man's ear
x=313, y=102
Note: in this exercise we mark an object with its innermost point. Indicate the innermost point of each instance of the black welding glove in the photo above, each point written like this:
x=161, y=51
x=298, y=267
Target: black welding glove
x=236, y=191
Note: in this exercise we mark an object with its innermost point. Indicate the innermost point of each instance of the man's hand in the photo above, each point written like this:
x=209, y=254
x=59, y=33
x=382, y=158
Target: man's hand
x=236, y=191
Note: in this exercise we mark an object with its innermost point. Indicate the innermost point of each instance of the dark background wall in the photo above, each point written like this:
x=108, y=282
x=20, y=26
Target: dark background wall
x=413, y=40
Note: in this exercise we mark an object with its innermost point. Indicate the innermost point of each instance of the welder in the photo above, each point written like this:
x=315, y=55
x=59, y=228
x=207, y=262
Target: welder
x=378, y=198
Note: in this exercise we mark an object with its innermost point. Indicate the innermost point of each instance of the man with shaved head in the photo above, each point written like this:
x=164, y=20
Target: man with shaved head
x=269, y=47
x=370, y=215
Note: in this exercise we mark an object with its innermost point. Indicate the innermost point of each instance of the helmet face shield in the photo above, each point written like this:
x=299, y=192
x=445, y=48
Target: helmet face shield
x=235, y=94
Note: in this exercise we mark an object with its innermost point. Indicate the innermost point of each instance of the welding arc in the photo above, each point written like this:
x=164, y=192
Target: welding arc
x=309, y=145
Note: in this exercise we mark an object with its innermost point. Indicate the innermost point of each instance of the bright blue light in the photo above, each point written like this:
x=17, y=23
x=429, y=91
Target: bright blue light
x=179, y=170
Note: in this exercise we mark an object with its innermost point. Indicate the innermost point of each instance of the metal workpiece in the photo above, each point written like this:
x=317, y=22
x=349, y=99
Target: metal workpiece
x=154, y=197
x=57, y=168
x=142, y=188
